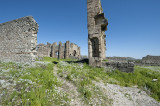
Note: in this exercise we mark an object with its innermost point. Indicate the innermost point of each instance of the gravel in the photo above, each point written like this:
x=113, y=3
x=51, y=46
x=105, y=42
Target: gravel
x=127, y=96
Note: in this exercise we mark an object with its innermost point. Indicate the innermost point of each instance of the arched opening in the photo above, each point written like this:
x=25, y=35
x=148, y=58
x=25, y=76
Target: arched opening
x=74, y=53
x=56, y=54
x=95, y=47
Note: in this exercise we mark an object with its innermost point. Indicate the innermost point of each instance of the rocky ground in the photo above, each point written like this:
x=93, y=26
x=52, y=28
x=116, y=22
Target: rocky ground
x=71, y=89
x=119, y=96
x=127, y=96
x=116, y=95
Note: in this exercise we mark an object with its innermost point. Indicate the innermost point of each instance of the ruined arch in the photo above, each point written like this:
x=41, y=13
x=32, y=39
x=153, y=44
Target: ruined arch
x=74, y=53
x=95, y=47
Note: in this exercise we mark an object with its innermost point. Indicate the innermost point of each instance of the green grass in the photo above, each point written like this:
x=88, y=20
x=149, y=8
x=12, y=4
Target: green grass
x=83, y=76
x=39, y=86
x=153, y=68
x=50, y=59
x=34, y=86
x=141, y=77
x=11, y=65
x=106, y=60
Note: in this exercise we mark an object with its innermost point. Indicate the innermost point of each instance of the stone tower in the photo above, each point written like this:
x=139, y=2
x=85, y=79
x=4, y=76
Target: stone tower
x=97, y=25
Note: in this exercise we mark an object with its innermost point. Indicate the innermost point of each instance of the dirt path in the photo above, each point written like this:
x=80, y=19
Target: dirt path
x=71, y=89
x=119, y=96
x=127, y=96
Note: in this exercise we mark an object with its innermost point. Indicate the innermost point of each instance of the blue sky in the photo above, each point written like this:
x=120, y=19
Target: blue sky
x=133, y=30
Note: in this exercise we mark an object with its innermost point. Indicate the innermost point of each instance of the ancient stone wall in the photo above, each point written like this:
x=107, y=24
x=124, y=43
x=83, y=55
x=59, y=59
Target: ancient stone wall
x=97, y=25
x=151, y=60
x=74, y=50
x=67, y=49
x=122, y=66
x=44, y=50
x=120, y=59
x=61, y=51
x=18, y=40
x=54, y=50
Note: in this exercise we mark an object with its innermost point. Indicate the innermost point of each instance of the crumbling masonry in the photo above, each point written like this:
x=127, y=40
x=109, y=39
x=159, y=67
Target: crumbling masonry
x=61, y=51
x=18, y=43
x=151, y=60
x=18, y=40
x=97, y=25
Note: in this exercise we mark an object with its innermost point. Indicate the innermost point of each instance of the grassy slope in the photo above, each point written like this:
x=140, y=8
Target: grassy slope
x=39, y=86
x=33, y=86
x=142, y=77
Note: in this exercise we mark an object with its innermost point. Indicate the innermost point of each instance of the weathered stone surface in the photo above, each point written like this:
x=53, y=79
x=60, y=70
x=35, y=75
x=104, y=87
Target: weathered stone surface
x=67, y=46
x=74, y=51
x=44, y=50
x=148, y=61
x=97, y=25
x=18, y=40
x=120, y=59
x=54, y=50
x=151, y=60
x=122, y=66
x=61, y=51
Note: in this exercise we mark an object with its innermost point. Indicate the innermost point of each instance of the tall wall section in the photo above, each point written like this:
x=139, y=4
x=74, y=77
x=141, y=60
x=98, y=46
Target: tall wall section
x=74, y=51
x=18, y=40
x=97, y=25
x=44, y=50
x=54, y=50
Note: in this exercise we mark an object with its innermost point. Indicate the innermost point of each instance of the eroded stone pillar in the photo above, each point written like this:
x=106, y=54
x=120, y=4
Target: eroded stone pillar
x=97, y=25
x=53, y=50
x=60, y=51
x=67, y=45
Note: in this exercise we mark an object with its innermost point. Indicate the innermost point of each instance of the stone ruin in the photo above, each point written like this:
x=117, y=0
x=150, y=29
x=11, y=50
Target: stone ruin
x=97, y=25
x=18, y=43
x=61, y=51
x=43, y=50
x=151, y=60
x=120, y=59
x=18, y=40
x=145, y=61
